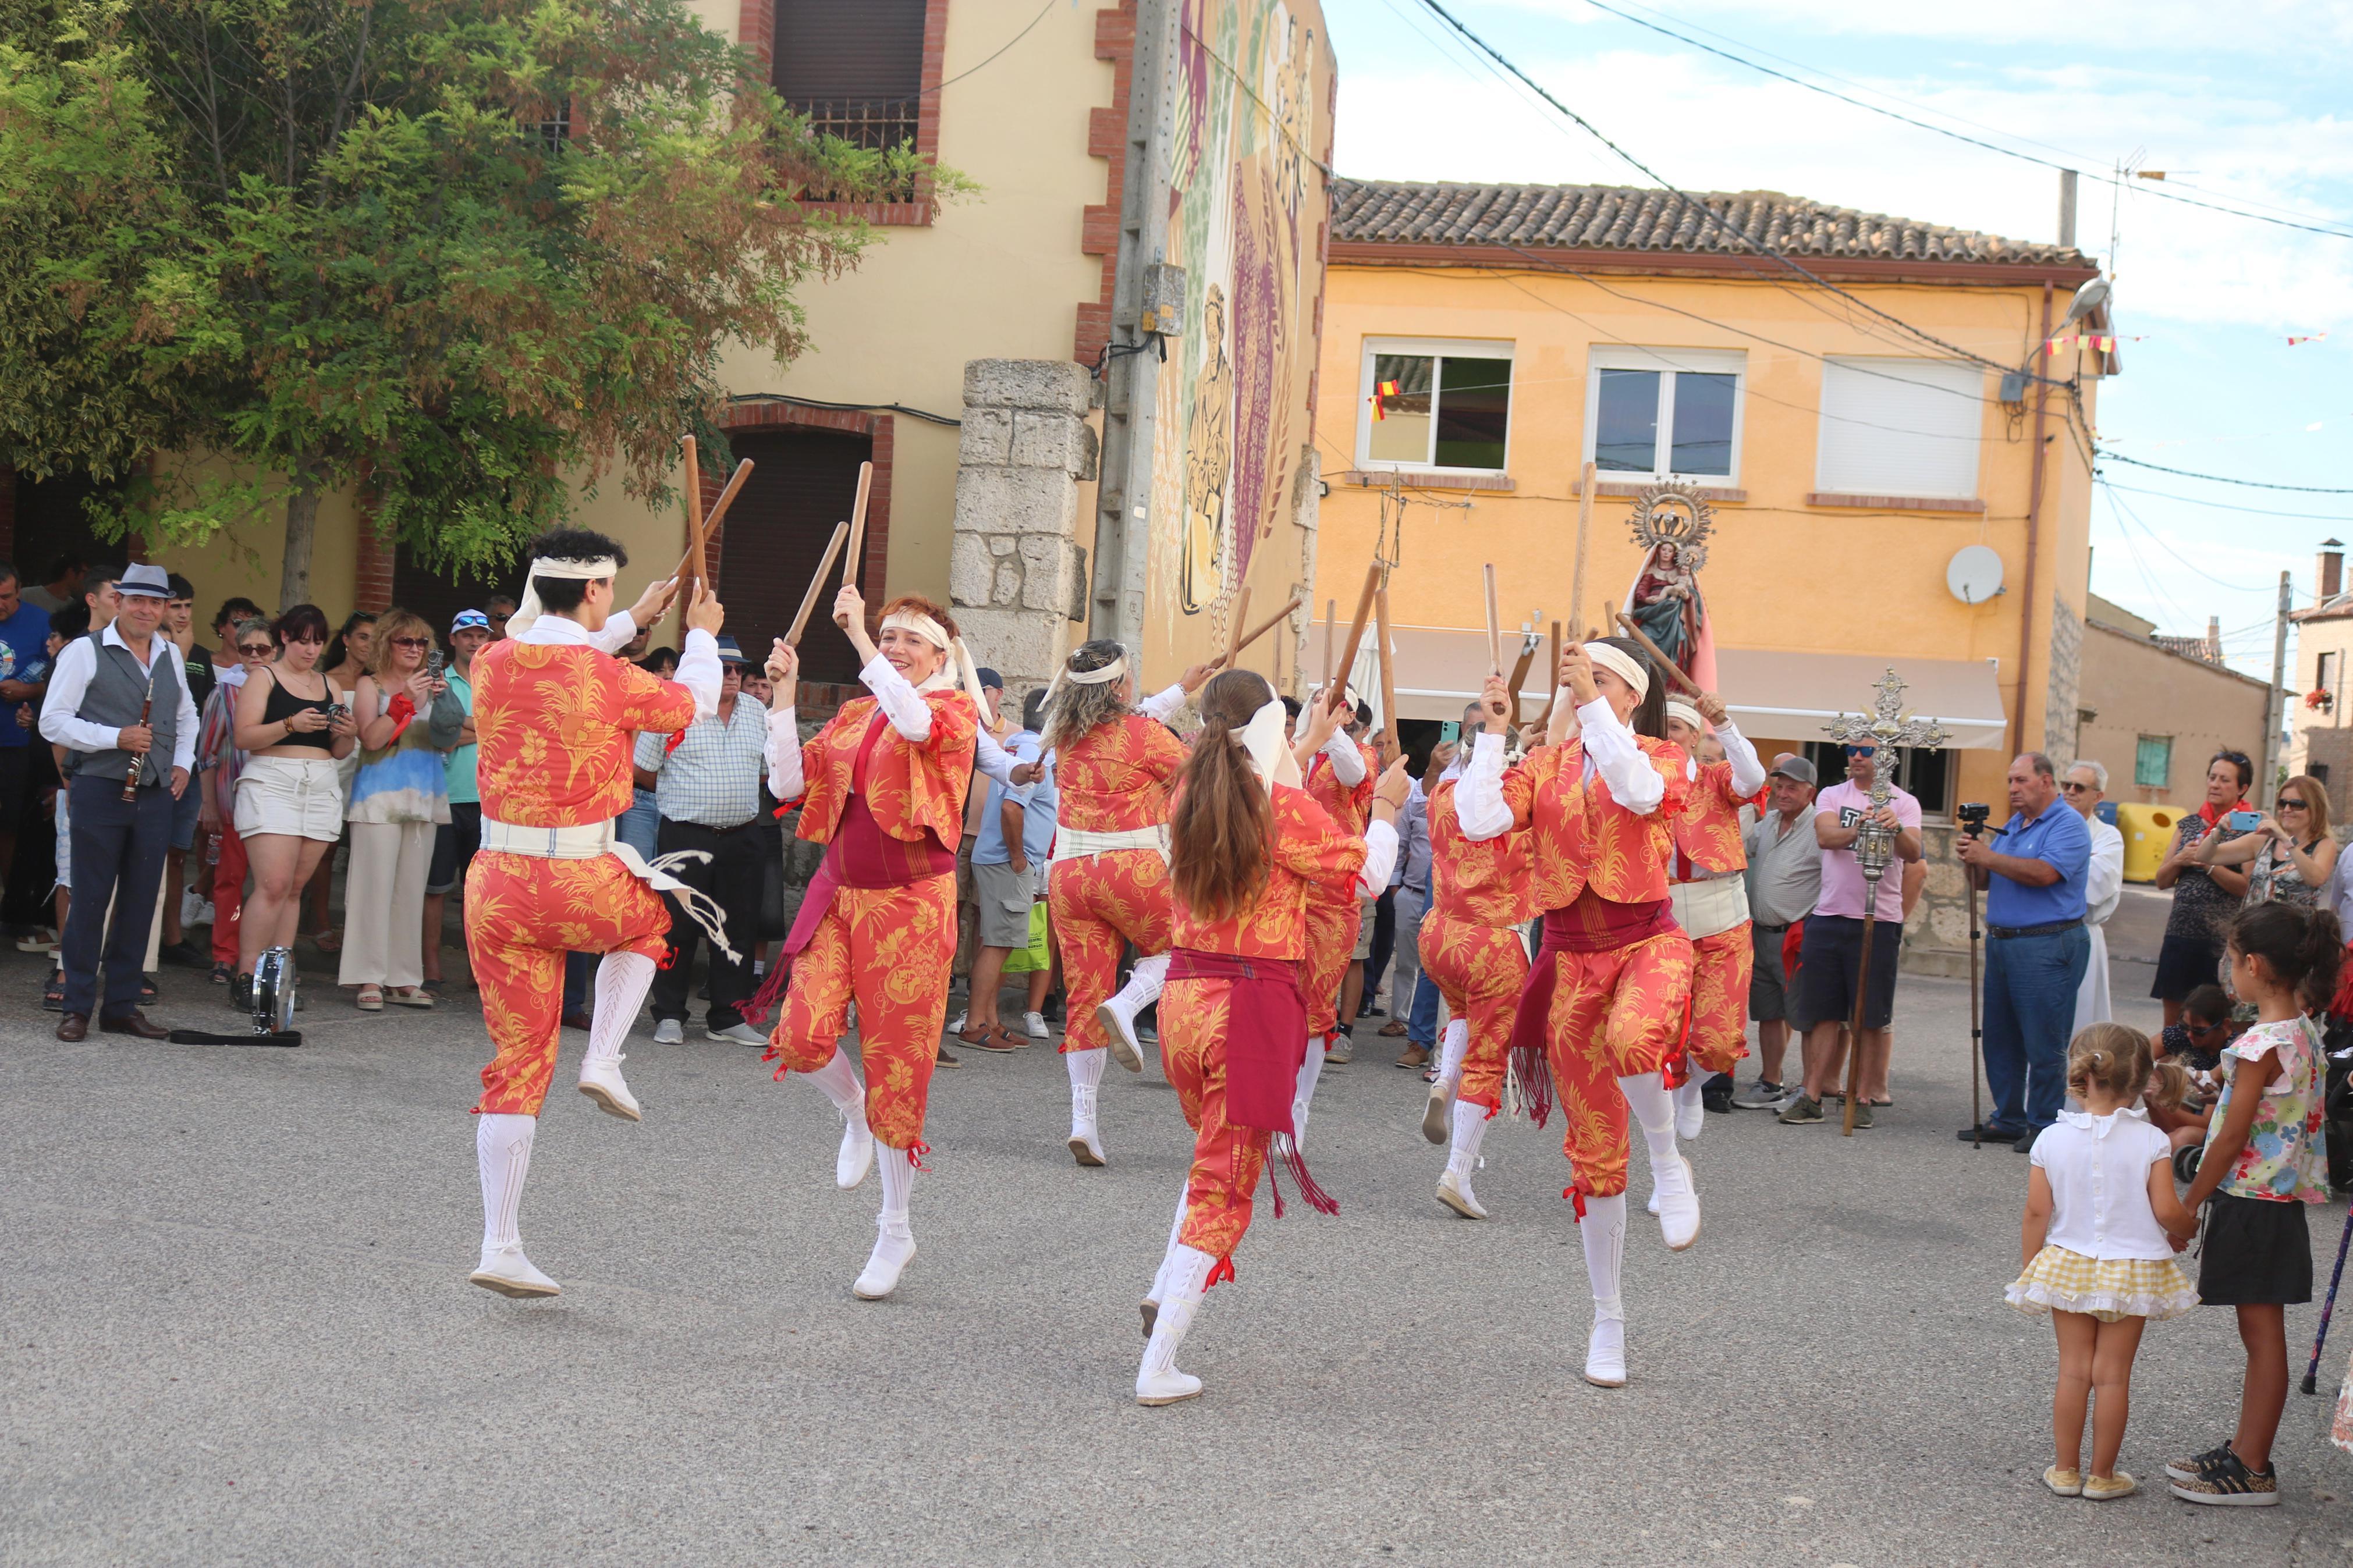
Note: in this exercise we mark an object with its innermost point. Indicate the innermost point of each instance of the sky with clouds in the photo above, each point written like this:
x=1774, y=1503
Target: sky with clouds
x=2242, y=107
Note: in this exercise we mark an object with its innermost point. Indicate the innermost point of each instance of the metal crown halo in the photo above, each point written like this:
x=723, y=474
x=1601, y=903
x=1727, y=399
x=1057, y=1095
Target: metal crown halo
x=1676, y=514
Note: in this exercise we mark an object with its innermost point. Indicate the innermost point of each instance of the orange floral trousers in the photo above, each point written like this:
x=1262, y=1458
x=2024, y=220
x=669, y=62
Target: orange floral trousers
x=1099, y=904
x=523, y=914
x=1226, y=1160
x=889, y=950
x=1331, y=941
x=1614, y=1015
x=1480, y=971
x=1721, y=967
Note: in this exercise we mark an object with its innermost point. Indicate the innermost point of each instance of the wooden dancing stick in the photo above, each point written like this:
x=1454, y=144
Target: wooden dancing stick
x=711, y=524
x=1391, y=747
x=1584, y=527
x=1520, y=673
x=1331, y=639
x=857, y=525
x=697, y=566
x=816, y=583
x=1673, y=674
x=1338, y=683
x=1553, y=681
x=1259, y=630
x=1234, y=627
x=1494, y=622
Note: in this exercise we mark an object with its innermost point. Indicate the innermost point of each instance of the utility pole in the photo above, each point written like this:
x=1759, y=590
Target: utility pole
x=2273, y=715
x=2067, y=208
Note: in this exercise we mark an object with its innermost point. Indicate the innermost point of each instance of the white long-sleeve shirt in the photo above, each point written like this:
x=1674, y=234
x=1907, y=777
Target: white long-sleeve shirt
x=901, y=703
x=1611, y=752
x=1380, y=860
x=1748, y=768
x=70, y=683
x=2104, y=885
x=697, y=656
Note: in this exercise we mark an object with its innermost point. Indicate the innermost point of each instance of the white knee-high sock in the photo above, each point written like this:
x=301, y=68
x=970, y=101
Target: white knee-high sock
x=1458, y=1041
x=1176, y=1229
x=1603, y=1231
x=1687, y=1093
x=1470, y=1132
x=1303, y=1099
x=1655, y=1108
x=622, y=980
x=502, y=1152
x=1086, y=1068
x=837, y=1080
x=898, y=1183
x=1145, y=981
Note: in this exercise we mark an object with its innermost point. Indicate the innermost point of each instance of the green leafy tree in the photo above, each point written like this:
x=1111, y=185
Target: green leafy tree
x=458, y=253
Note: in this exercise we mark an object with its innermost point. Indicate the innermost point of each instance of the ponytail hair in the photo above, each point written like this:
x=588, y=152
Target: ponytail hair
x=1221, y=830
x=2303, y=948
x=1649, y=715
x=2109, y=1058
x=2170, y=1086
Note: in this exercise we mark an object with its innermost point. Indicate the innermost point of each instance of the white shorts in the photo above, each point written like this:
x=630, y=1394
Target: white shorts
x=299, y=798
x=65, y=839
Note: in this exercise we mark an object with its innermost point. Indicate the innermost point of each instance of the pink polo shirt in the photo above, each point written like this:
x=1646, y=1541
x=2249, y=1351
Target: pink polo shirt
x=1841, y=875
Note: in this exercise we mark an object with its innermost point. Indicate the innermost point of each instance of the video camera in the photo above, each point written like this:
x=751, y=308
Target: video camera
x=1972, y=815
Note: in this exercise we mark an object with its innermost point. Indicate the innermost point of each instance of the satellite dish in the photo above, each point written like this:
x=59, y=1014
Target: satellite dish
x=1974, y=574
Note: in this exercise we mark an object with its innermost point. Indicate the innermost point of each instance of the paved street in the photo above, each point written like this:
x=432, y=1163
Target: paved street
x=239, y=1331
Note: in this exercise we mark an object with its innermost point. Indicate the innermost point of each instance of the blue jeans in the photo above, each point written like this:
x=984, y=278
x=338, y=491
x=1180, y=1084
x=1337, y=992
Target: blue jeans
x=2029, y=1008
x=1423, y=1027
x=637, y=827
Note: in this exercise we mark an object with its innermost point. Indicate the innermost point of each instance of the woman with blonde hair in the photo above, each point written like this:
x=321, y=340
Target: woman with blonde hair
x=408, y=719
x=2288, y=854
x=1248, y=847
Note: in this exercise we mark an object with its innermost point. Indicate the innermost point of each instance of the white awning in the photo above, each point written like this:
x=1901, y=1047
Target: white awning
x=1782, y=695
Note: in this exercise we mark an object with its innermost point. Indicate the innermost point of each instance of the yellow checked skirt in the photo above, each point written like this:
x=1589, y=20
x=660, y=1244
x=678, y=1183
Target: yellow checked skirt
x=2110, y=1289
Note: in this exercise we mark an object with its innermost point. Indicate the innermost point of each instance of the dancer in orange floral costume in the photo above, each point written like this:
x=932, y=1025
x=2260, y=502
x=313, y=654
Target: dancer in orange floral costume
x=1481, y=893
x=1249, y=851
x=886, y=780
x=1338, y=777
x=1608, y=993
x=1113, y=764
x=1710, y=895
x=555, y=715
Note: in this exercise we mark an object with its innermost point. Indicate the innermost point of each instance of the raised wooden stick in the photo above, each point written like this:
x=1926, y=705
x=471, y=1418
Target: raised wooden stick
x=1494, y=622
x=1552, y=677
x=1331, y=639
x=1520, y=673
x=1391, y=748
x=816, y=583
x=1259, y=630
x=1584, y=526
x=1673, y=674
x=696, y=567
x=1338, y=683
x=1234, y=625
x=857, y=525
x=711, y=524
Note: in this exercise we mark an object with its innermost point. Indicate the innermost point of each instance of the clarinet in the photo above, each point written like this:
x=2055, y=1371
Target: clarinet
x=138, y=762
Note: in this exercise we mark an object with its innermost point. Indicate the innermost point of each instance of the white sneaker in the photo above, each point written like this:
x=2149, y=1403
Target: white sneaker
x=889, y=1258
x=670, y=1032
x=1086, y=1139
x=601, y=1081
x=956, y=1025
x=1455, y=1192
x=506, y=1271
x=1035, y=1023
x=740, y=1033
x=1678, y=1200
x=1604, y=1354
x=1761, y=1096
x=857, y=1156
x=1118, y=1021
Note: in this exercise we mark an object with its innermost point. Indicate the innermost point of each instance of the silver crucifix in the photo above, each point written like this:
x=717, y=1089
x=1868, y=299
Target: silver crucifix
x=1887, y=727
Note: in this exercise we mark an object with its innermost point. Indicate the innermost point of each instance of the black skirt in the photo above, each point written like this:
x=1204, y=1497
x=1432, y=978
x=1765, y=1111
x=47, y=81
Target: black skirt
x=2183, y=964
x=2253, y=1252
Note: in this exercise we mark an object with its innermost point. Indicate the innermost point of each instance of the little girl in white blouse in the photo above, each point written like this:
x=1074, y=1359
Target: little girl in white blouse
x=2103, y=1224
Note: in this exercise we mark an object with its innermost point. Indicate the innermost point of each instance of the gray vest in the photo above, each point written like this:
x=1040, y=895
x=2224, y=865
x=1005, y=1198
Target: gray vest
x=116, y=693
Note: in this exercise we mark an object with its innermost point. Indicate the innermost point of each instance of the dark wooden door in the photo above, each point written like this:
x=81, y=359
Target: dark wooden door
x=802, y=483
x=439, y=598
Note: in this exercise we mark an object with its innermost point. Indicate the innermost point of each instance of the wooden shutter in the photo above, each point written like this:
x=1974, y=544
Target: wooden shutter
x=802, y=483
x=830, y=51
x=1900, y=427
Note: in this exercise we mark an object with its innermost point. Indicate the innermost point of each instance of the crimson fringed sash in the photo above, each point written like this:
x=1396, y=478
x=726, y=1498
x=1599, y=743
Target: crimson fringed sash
x=1266, y=1043
x=1591, y=924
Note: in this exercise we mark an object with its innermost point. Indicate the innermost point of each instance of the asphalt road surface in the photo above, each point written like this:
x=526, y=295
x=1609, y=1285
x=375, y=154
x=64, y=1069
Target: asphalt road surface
x=239, y=1331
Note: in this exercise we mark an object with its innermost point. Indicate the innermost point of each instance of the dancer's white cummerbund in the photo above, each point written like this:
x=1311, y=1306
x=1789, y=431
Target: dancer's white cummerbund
x=1072, y=843
x=584, y=842
x=1704, y=908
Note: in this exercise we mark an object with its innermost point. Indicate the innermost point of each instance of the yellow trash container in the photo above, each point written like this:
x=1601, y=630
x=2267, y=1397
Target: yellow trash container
x=2148, y=834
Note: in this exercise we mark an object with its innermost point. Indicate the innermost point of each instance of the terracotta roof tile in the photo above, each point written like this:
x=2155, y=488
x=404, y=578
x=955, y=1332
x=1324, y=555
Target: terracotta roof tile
x=1624, y=218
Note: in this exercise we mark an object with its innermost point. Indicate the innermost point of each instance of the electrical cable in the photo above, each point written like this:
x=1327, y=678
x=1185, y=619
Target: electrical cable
x=2223, y=506
x=2108, y=457
x=2154, y=538
x=991, y=59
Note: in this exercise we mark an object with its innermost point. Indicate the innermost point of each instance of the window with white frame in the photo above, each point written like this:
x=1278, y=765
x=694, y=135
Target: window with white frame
x=1435, y=403
x=1664, y=413
x=1900, y=427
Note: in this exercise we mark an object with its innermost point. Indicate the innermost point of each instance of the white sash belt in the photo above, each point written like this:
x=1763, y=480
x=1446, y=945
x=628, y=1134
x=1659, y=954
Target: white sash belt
x=587, y=840
x=1710, y=906
x=1076, y=843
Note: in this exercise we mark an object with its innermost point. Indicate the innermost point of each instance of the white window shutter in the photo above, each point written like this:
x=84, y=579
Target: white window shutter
x=1900, y=427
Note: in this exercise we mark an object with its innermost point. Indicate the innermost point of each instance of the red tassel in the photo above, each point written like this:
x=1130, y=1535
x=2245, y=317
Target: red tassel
x=771, y=992
x=1677, y=1070
x=1272, y=1185
x=1534, y=1077
x=1576, y=1195
x=1224, y=1270
x=916, y=1152
x=1317, y=1198
x=677, y=738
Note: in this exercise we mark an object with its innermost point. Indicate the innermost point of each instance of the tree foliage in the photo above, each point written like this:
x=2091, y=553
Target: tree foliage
x=459, y=252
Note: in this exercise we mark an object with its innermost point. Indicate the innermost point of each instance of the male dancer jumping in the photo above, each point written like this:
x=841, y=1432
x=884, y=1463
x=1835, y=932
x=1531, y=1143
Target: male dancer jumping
x=555, y=713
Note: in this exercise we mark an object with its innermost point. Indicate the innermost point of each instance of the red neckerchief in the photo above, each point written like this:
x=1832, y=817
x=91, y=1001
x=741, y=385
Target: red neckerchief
x=2213, y=816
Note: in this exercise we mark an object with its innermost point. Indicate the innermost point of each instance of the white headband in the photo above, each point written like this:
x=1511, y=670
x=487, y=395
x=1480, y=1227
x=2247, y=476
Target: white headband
x=1621, y=664
x=1109, y=672
x=923, y=626
x=553, y=567
x=1679, y=709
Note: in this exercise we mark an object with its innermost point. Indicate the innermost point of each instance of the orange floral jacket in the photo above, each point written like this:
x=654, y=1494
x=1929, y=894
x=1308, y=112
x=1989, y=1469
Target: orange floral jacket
x=1490, y=882
x=1348, y=808
x=1118, y=776
x=554, y=724
x=1707, y=831
x=1310, y=851
x=909, y=788
x=1583, y=837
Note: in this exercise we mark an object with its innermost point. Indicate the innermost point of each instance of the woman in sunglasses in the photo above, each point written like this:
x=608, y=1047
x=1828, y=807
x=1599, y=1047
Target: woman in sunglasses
x=220, y=764
x=2205, y=897
x=2289, y=853
x=409, y=718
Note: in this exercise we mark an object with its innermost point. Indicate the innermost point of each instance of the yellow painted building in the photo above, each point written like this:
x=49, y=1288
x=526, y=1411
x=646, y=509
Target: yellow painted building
x=1877, y=441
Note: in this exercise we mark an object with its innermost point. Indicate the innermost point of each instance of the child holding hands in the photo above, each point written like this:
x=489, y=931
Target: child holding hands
x=2101, y=1229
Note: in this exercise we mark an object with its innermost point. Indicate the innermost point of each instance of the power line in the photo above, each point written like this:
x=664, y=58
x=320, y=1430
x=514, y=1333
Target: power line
x=1001, y=49
x=2159, y=541
x=2108, y=457
x=1955, y=135
x=2224, y=505
x=1707, y=214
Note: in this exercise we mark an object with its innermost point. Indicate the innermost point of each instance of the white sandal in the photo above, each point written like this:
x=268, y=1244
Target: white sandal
x=409, y=996
x=370, y=999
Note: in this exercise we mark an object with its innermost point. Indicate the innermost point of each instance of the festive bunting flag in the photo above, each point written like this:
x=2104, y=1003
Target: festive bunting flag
x=1382, y=389
x=2307, y=338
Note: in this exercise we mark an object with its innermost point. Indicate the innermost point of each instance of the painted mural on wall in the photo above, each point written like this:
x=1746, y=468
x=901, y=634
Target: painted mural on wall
x=1247, y=213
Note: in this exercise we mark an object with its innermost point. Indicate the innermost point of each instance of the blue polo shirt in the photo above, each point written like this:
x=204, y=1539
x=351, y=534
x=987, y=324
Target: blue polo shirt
x=2059, y=838
x=24, y=656
x=990, y=849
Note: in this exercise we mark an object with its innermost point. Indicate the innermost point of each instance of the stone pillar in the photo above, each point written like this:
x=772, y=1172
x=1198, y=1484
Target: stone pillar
x=1017, y=578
